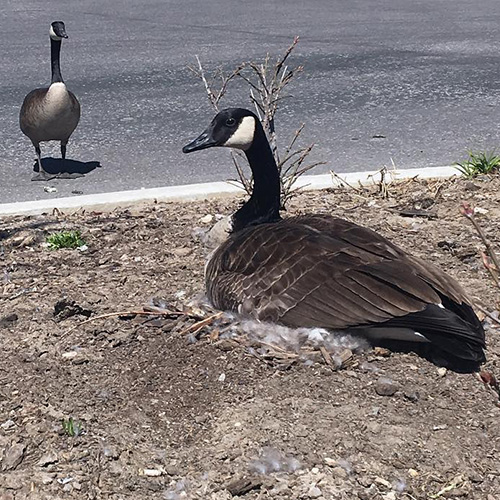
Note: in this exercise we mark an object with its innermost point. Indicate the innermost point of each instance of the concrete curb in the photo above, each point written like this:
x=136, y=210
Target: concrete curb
x=191, y=192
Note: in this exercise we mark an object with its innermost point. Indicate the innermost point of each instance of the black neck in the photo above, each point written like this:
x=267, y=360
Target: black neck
x=55, y=52
x=264, y=204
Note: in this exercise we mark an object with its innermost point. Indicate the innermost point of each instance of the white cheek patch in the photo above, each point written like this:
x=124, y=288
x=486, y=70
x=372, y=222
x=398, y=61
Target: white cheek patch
x=243, y=135
x=53, y=35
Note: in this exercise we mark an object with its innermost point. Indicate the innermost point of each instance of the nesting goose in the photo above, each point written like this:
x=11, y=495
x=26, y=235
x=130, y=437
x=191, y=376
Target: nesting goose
x=321, y=271
x=50, y=114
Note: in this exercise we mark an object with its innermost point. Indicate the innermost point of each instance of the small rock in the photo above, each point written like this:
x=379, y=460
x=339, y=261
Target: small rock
x=475, y=477
x=182, y=252
x=412, y=473
x=369, y=493
x=206, y=219
x=442, y=371
x=8, y=424
x=385, y=387
x=77, y=485
x=48, y=459
x=69, y=354
x=389, y=496
x=314, y=492
x=8, y=320
x=339, y=472
x=46, y=478
x=66, y=308
x=50, y=189
x=152, y=472
x=218, y=233
x=13, y=456
x=201, y=419
x=242, y=486
x=364, y=481
x=441, y=427
x=381, y=351
x=172, y=470
x=412, y=395
x=222, y=377
x=470, y=186
x=110, y=452
x=383, y=482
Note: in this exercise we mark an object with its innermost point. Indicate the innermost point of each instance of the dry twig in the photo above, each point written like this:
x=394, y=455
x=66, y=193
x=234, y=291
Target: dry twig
x=123, y=313
x=196, y=327
x=494, y=269
x=267, y=82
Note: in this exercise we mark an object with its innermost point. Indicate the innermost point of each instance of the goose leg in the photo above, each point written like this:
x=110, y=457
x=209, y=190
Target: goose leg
x=64, y=174
x=41, y=175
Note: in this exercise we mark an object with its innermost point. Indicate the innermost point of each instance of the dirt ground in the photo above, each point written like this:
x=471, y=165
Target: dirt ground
x=159, y=413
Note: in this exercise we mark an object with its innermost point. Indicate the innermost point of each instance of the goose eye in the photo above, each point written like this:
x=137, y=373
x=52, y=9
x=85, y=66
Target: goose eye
x=230, y=122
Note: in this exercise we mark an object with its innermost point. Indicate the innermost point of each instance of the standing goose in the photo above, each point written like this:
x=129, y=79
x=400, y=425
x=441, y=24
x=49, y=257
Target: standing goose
x=50, y=114
x=321, y=271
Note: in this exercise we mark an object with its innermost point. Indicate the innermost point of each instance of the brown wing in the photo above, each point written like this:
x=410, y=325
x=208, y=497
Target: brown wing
x=325, y=272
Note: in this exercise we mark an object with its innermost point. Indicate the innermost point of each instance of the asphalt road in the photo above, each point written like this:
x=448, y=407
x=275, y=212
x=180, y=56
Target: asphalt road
x=417, y=81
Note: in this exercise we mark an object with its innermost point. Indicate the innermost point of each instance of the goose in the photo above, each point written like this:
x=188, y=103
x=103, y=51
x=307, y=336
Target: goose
x=321, y=271
x=50, y=114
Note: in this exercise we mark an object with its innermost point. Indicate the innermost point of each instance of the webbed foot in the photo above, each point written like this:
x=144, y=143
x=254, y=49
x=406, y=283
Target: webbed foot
x=43, y=176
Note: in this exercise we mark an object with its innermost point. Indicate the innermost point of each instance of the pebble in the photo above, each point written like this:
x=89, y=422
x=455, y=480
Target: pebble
x=412, y=472
x=48, y=459
x=369, y=493
x=412, y=396
x=383, y=482
x=110, y=452
x=314, y=492
x=339, y=472
x=182, y=252
x=69, y=354
x=46, y=478
x=8, y=424
x=13, y=456
x=152, y=472
x=442, y=371
x=385, y=387
x=389, y=496
x=206, y=219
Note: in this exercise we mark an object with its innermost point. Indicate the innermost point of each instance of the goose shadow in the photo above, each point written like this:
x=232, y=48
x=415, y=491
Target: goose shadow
x=57, y=168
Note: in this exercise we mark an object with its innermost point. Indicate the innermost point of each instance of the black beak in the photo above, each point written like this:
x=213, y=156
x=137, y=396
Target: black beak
x=204, y=141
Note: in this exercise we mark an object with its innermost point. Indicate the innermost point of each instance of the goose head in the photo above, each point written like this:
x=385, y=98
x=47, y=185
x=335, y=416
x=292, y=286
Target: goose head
x=231, y=128
x=57, y=31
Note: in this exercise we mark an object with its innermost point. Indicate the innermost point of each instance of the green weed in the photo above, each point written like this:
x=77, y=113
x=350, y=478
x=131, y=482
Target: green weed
x=71, y=427
x=479, y=163
x=65, y=239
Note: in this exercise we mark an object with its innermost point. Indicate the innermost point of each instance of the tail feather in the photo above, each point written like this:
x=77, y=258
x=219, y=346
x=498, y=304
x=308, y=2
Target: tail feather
x=455, y=335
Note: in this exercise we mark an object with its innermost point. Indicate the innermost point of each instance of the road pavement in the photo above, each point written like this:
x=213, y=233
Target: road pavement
x=413, y=81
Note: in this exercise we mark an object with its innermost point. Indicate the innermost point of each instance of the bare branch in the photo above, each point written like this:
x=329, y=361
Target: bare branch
x=266, y=82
